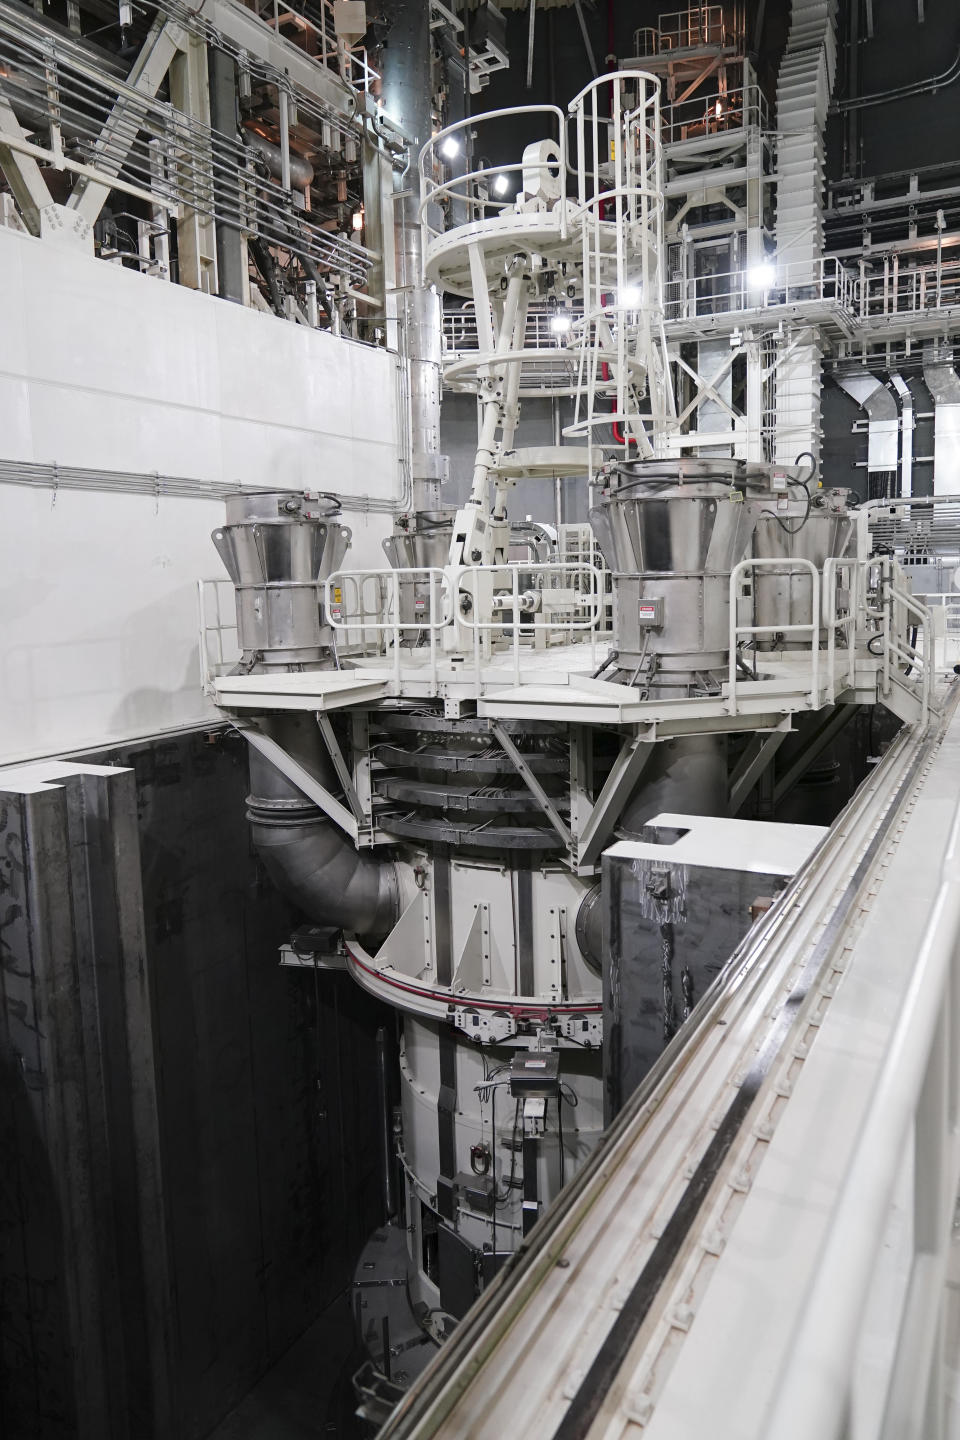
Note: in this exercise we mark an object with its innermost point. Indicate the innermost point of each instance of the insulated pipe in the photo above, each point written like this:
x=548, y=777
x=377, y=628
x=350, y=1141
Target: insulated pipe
x=301, y=171
x=313, y=862
x=686, y=776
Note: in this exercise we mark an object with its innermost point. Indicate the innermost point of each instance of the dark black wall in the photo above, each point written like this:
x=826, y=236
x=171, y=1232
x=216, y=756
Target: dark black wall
x=265, y=1082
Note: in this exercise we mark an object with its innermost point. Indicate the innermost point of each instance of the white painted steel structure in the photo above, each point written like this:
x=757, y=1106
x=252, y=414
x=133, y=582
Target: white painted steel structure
x=764, y=1245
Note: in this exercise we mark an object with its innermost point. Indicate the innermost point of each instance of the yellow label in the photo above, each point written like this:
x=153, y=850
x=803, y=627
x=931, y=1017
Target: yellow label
x=337, y=595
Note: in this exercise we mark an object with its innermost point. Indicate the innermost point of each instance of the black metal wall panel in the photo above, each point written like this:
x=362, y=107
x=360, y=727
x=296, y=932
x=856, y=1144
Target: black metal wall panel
x=84, y=1305
x=144, y=1017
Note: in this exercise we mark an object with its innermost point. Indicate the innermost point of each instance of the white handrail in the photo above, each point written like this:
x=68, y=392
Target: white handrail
x=528, y=620
x=391, y=625
x=811, y=628
x=460, y=187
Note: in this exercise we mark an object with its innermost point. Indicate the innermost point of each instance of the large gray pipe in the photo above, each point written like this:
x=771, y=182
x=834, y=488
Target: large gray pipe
x=301, y=171
x=312, y=861
x=406, y=93
x=685, y=776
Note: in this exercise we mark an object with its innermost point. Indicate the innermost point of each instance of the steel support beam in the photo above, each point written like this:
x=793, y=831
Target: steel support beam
x=196, y=228
x=302, y=778
x=341, y=767
x=21, y=171
x=591, y=58
x=166, y=37
x=751, y=765
x=619, y=785
x=532, y=783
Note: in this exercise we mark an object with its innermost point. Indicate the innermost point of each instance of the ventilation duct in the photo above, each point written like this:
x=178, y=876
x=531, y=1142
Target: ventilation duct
x=906, y=430
x=883, y=425
x=944, y=385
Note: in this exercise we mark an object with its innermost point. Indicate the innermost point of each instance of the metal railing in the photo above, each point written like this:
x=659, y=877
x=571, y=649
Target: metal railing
x=944, y=609
x=218, y=639
x=449, y=200
x=154, y=152
x=907, y=285
x=791, y=283
x=517, y=618
x=809, y=627
x=423, y=590
x=683, y=29
x=841, y=573
x=461, y=333
x=314, y=21
x=527, y=605
x=741, y=108
x=908, y=653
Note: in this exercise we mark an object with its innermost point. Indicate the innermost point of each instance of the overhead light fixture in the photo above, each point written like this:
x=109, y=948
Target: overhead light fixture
x=450, y=148
x=762, y=276
x=357, y=221
x=501, y=185
x=719, y=108
x=629, y=297
x=561, y=322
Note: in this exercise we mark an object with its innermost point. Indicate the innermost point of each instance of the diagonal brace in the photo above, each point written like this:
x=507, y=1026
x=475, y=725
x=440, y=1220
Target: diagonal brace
x=297, y=775
x=341, y=766
x=754, y=760
x=533, y=784
x=122, y=125
x=22, y=172
x=634, y=754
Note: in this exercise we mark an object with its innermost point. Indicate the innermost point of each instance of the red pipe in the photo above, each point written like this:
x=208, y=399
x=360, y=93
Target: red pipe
x=615, y=425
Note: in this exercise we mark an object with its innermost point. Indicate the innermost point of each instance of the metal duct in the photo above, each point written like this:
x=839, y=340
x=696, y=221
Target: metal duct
x=406, y=94
x=873, y=396
x=314, y=863
x=944, y=385
x=906, y=430
x=301, y=171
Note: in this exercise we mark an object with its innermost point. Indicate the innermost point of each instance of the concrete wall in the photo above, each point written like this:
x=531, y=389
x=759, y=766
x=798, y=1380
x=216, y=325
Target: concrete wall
x=105, y=369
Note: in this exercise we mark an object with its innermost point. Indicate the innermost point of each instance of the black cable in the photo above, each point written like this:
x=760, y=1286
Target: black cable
x=912, y=637
x=265, y=264
x=560, y=1132
x=493, y=1137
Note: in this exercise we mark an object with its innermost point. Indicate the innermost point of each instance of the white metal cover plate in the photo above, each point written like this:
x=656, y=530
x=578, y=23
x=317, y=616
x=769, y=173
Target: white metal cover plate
x=298, y=690
x=756, y=846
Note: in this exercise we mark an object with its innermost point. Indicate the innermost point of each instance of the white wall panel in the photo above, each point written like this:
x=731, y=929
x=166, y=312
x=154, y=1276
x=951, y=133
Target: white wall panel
x=100, y=366
x=103, y=368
